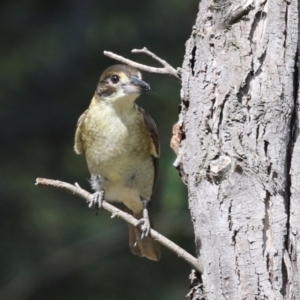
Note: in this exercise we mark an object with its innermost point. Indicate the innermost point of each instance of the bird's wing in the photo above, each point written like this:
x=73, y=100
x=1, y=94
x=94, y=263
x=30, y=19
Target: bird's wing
x=153, y=134
x=78, y=146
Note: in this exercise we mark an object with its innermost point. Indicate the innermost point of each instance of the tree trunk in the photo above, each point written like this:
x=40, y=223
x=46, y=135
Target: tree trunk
x=240, y=152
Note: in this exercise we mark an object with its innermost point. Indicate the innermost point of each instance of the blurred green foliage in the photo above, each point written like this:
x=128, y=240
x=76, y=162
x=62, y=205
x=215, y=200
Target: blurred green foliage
x=51, y=56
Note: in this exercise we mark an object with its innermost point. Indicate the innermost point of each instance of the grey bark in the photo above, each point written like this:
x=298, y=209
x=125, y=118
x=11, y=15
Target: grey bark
x=240, y=153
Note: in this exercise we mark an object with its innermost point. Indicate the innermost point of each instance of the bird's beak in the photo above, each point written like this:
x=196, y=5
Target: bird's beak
x=140, y=83
x=137, y=86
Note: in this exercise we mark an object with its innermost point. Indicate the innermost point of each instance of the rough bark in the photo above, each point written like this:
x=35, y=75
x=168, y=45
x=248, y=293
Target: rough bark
x=240, y=150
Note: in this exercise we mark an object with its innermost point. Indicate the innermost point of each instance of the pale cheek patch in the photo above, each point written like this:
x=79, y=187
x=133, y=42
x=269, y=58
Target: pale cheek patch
x=116, y=96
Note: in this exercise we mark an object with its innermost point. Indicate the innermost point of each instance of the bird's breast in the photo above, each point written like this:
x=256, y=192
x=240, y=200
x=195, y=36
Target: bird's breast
x=115, y=142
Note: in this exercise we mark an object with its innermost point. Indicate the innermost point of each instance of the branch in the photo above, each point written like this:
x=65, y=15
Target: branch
x=167, y=69
x=79, y=192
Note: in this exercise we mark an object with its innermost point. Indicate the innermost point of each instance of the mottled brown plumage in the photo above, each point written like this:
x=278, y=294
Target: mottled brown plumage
x=121, y=146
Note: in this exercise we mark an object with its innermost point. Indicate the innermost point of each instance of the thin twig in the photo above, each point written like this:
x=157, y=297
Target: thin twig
x=167, y=69
x=77, y=191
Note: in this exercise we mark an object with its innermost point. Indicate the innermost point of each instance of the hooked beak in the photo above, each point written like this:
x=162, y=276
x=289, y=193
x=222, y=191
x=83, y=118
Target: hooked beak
x=136, y=86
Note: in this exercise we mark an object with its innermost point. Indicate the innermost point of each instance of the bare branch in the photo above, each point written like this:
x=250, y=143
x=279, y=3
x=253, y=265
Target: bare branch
x=79, y=192
x=167, y=69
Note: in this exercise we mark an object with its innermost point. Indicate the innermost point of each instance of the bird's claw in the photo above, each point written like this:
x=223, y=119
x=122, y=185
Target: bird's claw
x=96, y=202
x=145, y=227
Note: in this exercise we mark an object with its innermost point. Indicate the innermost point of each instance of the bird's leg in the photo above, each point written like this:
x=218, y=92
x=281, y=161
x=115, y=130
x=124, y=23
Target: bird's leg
x=98, y=196
x=96, y=203
x=145, y=221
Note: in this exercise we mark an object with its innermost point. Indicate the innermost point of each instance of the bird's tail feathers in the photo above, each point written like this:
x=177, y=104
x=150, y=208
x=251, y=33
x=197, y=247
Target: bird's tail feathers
x=147, y=247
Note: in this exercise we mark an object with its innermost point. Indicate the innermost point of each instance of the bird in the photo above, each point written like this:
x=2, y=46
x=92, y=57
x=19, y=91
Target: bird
x=121, y=145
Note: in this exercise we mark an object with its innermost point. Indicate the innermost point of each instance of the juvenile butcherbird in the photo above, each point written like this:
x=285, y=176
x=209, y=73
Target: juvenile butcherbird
x=120, y=143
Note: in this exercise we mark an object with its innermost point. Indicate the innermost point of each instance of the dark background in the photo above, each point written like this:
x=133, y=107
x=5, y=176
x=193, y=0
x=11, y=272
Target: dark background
x=52, y=245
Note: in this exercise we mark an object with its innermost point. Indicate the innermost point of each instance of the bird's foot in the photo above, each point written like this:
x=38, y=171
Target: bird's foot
x=145, y=227
x=144, y=223
x=96, y=203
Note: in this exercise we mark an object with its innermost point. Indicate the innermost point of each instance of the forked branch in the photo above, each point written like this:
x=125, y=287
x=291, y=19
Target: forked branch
x=167, y=68
x=79, y=192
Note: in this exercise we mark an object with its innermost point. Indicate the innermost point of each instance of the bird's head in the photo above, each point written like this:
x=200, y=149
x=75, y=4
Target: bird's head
x=121, y=83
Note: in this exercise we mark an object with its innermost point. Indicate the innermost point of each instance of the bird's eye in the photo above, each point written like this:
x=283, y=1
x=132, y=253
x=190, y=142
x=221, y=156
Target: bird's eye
x=114, y=78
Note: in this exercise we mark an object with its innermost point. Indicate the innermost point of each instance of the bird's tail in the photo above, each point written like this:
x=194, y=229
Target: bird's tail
x=147, y=247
